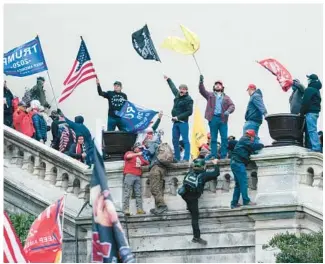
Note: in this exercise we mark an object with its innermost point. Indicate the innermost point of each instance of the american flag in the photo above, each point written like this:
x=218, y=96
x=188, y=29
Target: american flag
x=82, y=70
x=12, y=249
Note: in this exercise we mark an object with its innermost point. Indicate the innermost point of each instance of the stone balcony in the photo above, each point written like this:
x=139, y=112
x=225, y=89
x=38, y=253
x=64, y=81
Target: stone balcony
x=286, y=183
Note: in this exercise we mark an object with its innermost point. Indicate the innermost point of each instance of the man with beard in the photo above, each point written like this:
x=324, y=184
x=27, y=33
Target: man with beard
x=219, y=107
x=182, y=110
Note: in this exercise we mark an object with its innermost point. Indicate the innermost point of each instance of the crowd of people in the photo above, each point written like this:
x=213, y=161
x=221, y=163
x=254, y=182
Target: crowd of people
x=28, y=116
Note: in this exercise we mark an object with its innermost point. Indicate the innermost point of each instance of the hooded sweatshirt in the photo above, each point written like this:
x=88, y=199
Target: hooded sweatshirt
x=256, y=108
x=80, y=129
x=311, y=102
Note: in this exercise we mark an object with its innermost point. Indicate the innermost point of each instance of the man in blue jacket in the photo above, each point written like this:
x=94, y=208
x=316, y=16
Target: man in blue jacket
x=255, y=110
x=80, y=129
x=310, y=108
x=239, y=160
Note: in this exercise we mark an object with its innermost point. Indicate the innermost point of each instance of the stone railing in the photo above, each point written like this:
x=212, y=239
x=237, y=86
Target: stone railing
x=46, y=163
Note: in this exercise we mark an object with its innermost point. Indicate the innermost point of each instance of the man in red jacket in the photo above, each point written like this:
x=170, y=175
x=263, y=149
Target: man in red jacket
x=132, y=178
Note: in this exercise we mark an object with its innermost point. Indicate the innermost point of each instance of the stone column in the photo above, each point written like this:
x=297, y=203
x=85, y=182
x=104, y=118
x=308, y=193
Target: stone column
x=89, y=238
x=27, y=164
x=50, y=176
x=16, y=158
x=37, y=166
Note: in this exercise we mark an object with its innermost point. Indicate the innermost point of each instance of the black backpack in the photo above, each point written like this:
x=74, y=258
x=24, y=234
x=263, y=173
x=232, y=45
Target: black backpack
x=191, y=181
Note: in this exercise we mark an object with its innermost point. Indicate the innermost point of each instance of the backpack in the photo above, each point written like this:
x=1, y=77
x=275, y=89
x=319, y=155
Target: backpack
x=165, y=154
x=191, y=181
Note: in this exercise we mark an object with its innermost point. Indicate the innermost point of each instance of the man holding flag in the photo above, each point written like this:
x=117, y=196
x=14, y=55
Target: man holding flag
x=182, y=110
x=116, y=100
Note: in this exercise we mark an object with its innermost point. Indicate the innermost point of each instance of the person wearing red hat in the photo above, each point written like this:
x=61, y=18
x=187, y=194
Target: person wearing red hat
x=219, y=107
x=255, y=110
x=240, y=157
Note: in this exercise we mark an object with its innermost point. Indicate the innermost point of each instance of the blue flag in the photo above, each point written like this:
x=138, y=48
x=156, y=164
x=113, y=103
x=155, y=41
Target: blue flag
x=135, y=118
x=24, y=60
x=109, y=243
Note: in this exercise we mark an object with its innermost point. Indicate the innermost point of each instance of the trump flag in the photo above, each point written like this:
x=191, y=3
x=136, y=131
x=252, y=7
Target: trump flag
x=44, y=240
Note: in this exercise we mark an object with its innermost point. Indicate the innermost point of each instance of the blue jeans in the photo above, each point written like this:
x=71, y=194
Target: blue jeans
x=252, y=125
x=241, y=187
x=312, y=139
x=216, y=125
x=181, y=129
x=113, y=122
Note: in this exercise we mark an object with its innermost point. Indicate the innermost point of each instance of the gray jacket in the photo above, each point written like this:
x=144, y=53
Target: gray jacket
x=295, y=99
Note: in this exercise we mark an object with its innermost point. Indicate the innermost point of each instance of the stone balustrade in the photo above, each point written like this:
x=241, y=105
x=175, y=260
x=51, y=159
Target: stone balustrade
x=46, y=163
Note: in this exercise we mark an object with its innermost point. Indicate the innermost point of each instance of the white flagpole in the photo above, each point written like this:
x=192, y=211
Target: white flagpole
x=64, y=201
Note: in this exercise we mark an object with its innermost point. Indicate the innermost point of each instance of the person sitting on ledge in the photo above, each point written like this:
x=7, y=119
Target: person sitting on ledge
x=116, y=100
x=246, y=146
x=192, y=189
x=78, y=150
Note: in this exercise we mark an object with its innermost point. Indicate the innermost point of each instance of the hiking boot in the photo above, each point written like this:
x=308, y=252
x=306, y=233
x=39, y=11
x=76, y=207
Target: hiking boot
x=200, y=241
x=140, y=212
x=160, y=210
x=250, y=204
x=127, y=213
x=235, y=206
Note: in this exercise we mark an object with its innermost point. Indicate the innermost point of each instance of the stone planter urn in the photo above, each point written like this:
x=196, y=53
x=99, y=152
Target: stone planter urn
x=285, y=129
x=116, y=144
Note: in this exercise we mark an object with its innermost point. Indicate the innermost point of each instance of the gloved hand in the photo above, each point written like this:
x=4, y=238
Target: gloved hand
x=201, y=78
x=60, y=112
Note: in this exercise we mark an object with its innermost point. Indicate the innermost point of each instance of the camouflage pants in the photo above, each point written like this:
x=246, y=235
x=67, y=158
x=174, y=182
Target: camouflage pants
x=132, y=182
x=157, y=174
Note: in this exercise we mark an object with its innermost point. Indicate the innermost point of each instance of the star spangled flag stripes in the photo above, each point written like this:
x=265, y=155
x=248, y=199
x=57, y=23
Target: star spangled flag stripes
x=12, y=248
x=82, y=70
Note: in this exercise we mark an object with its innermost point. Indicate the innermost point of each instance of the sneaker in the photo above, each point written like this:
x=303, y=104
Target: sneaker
x=160, y=210
x=200, y=241
x=127, y=213
x=250, y=204
x=140, y=212
x=235, y=206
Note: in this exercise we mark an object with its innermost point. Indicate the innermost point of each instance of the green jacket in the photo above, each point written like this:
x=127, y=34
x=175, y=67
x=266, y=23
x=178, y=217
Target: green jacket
x=183, y=105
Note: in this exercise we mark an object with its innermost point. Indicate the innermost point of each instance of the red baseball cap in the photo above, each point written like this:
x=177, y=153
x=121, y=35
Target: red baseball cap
x=250, y=132
x=251, y=86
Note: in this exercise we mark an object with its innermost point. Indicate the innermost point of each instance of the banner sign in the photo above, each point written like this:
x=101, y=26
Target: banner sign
x=25, y=60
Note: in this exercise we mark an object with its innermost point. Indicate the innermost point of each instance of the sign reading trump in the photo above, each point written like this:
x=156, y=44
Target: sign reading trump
x=24, y=60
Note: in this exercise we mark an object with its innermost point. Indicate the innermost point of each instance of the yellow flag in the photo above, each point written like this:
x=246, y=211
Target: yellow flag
x=199, y=133
x=187, y=46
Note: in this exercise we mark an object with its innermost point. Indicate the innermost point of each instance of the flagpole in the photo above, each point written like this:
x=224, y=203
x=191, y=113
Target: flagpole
x=54, y=98
x=64, y=201
x=196, y=63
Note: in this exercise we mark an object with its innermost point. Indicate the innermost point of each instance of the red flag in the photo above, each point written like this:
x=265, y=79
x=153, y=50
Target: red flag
x=282, y=75
x=12, y=248
x=82, y=70
x=44, y=240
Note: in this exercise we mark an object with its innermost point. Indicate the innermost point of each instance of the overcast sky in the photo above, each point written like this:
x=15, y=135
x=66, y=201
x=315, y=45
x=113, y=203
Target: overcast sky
x=232, y=37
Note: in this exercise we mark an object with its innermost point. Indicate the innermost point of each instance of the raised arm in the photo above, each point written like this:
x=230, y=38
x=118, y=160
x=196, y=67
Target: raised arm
x=171, y=85
x=202, y=89
x=99, y=90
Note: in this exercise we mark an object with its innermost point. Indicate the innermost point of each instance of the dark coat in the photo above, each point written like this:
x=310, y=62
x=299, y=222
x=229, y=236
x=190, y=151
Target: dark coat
x=38, y=93
x=183, y=105
x=295, y=99
x=311, y=102
x=7, y=108
x=72, y=152
x=244, y=149
x=115, y=100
